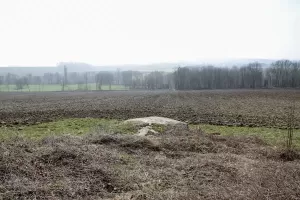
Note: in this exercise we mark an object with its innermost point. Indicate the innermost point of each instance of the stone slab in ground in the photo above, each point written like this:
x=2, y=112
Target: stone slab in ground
x=146, y=124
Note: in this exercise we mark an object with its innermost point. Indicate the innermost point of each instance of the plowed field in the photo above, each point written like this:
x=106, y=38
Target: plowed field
x=224, y=107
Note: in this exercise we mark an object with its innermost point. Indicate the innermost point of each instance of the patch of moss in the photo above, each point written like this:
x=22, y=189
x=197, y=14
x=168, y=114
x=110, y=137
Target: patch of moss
x=125, y=128
x=159, y=128
x=74, y=126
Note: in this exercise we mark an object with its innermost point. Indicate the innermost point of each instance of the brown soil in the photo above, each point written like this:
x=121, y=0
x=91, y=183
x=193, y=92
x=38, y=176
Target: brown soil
x=222, y=107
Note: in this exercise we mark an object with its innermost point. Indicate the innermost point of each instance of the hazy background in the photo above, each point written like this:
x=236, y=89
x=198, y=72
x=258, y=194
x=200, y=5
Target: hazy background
x=114, y=32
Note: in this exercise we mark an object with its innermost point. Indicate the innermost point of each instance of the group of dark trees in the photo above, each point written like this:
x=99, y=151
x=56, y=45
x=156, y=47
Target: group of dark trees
x=19, y=81
x=281, y=74
x=153, y=80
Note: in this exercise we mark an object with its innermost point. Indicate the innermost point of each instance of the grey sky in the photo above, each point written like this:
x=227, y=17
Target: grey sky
x=45, y=32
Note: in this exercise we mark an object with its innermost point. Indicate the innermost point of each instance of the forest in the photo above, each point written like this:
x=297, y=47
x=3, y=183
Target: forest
x=281, y=74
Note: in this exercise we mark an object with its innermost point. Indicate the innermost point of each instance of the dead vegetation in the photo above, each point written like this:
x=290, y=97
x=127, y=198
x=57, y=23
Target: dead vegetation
x=174, y=165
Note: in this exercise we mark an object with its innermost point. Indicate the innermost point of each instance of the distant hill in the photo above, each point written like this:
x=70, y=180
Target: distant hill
x=168, y=67
x=76, y=67
x=239, y=62
x=35, y=71
x=231, y=62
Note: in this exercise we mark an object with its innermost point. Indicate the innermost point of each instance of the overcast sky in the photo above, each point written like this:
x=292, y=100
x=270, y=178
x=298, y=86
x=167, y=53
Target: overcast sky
x=45, y=32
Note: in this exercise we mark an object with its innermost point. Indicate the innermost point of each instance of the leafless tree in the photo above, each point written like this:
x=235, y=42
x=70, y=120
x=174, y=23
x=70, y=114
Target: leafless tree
x=1, y=82
x=86, y=80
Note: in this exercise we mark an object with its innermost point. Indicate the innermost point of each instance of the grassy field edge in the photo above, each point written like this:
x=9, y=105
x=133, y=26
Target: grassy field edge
x=80, y=126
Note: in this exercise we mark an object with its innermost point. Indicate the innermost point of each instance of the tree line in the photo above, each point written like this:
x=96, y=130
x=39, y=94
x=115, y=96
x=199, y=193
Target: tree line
x=280, y=74
x=83, y=80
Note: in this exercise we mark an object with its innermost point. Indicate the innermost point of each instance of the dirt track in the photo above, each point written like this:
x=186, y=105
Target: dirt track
x=228, y=107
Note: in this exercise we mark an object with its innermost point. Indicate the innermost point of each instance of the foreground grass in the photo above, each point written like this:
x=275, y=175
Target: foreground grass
x=273, y=136
x=58, y=87
x=75, y=126
x=175, y=165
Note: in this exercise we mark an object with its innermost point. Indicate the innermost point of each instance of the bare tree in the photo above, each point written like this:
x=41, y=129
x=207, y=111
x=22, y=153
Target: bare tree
x=27, y=82
x=1, y=82
x=38, y=81
x=291, y=126
x=80, y=85
x=20, y=83
x=104, y=78
x=65, y=80
x=8, y=80
x=127, y=78
x=118, y=76
x=99, y=81
x=109, y=79
x=86, y=80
